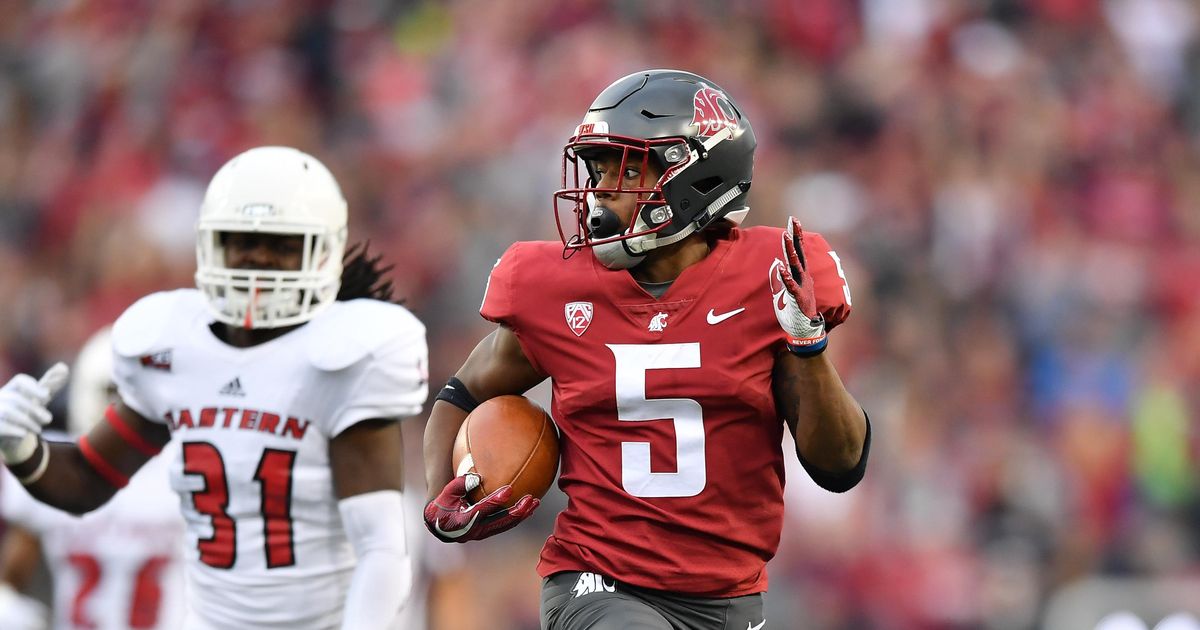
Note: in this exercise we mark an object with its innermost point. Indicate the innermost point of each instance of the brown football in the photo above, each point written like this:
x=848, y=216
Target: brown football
x=508, y=440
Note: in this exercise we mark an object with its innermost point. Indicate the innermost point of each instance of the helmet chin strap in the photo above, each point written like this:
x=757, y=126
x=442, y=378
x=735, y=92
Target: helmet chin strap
x=603, y=223
x=629, y=252
x=615, y=255
x=653, y=241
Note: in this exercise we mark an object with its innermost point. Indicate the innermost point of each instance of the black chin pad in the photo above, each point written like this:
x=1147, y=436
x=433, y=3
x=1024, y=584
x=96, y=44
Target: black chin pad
x=603, y=223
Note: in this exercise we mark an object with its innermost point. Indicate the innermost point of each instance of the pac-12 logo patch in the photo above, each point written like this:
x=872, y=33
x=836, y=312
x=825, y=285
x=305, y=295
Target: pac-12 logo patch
x=579, y=316
x=712, y=112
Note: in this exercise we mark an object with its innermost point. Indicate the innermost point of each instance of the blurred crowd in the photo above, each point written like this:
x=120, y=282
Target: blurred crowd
x=1013, y=185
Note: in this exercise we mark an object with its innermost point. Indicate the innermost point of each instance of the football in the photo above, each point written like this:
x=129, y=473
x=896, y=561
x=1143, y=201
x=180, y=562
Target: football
x=508, y=440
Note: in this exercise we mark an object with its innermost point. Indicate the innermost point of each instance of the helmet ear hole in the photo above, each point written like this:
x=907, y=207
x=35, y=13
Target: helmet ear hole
x=706, y=185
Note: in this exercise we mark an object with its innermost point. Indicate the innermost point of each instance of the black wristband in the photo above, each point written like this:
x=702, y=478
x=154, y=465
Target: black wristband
x=31, y=469
x=457, y=394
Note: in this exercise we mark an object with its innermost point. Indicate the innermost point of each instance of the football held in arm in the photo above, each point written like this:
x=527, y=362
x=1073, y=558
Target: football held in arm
x=677, y=341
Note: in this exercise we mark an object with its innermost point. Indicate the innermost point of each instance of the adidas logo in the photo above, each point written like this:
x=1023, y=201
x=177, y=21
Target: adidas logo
x=589, y=583
x=233, y=388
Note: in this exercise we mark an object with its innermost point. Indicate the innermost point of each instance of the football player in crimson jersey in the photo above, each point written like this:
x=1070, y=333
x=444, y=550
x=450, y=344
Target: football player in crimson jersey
x=679, y=346
x=281, y=379
x=118, y=567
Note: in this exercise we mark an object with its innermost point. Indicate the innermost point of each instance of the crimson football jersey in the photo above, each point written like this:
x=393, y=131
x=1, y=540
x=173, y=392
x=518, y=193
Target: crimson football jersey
x=671, y=445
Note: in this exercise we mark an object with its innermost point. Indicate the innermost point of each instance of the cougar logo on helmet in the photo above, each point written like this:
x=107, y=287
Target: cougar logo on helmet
x=712, y=112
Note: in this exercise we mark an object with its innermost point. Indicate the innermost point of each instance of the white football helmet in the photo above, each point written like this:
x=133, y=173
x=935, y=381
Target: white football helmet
x=274, y=190
x=92, y=388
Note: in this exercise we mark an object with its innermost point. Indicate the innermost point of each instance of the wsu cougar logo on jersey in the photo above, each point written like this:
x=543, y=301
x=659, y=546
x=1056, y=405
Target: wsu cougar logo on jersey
x=579, y=316
x=712, y=112
x=658, y=323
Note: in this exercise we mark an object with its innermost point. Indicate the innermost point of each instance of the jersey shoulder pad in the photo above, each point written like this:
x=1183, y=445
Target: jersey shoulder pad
x=145, y=324
x=537, y=259
x=526, y=273
x=498, y=293
x=544, y=260
x=538, y=250
x=348, y=332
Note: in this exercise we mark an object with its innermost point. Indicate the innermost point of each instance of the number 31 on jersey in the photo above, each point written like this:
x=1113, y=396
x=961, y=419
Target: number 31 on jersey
x=274, y=475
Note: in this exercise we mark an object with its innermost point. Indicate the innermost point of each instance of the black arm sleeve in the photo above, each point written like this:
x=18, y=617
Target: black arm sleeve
x=843, y=481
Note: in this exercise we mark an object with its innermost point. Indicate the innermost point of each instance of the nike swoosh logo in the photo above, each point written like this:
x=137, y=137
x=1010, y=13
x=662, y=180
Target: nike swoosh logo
x=760, y=624
x=715, y=319
x=459, y=533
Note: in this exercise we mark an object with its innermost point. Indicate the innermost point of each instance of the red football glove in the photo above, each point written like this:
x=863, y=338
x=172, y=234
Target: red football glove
x=452, y=518
x=794, y=296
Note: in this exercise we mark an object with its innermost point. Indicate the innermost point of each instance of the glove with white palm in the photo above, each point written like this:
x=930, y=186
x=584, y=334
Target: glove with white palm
x=794, y=296
x=23, y=412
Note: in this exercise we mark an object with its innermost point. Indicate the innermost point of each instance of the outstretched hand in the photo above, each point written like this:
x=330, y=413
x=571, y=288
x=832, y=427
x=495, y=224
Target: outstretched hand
x=23, y=412
x=452, y=518
x=794, y=296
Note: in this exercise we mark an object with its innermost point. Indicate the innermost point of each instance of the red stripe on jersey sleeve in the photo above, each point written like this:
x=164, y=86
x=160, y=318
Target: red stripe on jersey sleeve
x=131, y=437
x=103, y=468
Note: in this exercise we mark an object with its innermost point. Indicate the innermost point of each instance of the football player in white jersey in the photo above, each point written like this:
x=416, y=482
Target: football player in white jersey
x=118, y=567
x=282, y=378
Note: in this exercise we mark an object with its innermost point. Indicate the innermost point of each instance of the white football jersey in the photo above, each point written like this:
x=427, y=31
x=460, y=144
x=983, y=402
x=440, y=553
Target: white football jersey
x=265, y=544
x=118, y=567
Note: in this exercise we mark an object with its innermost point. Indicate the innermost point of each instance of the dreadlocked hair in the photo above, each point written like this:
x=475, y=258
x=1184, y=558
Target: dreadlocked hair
x=363, y=276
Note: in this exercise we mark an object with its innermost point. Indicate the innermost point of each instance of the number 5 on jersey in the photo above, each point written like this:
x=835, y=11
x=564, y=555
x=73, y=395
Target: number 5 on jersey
x=274, y=475
x=691, y=475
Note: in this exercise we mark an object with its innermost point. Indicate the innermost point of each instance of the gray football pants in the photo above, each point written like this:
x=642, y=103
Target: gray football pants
x=589, y=601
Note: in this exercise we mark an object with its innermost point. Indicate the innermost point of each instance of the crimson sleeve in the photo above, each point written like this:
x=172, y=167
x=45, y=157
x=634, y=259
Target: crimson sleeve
x=833, y=292
x=498, y=297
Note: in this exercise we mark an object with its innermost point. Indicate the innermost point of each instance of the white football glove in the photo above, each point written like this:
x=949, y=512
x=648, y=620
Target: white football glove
x=23, y=412
x=794, y=296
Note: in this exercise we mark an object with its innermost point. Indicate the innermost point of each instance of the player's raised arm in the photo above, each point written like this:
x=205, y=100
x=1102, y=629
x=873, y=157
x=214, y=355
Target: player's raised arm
x=77, y=477
x=497, y=366
x=830, y=428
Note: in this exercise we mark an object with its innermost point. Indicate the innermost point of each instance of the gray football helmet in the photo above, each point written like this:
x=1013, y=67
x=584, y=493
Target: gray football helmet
x=695, y=134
